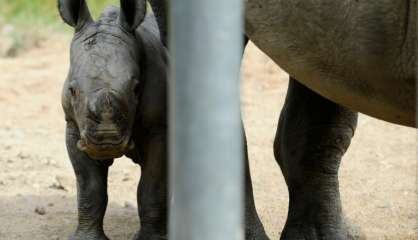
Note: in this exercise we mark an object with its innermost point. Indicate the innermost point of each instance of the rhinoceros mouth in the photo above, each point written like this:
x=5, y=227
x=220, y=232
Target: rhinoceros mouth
x=105, y=142
x=105, y=150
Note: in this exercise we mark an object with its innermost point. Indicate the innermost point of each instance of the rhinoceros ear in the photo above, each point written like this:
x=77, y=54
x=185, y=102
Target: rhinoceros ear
x=74, y=12
x=132, y=13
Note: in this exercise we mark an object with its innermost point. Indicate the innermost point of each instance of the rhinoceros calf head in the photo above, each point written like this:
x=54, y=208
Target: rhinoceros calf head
x=101, y=91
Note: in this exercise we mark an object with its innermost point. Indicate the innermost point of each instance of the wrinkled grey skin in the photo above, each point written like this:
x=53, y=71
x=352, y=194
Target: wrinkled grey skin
x=114, y=101
x=360, y=54
x=344, y=57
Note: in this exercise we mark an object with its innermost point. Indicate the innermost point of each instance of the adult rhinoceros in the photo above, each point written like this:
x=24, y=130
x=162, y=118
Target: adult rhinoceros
x=344, y=57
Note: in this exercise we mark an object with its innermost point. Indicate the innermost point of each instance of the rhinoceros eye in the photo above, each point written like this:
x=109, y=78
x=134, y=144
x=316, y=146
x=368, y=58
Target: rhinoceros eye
x=72, y=91
x=137, y=88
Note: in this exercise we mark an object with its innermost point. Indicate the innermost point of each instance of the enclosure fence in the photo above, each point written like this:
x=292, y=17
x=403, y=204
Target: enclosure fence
x=206, y=161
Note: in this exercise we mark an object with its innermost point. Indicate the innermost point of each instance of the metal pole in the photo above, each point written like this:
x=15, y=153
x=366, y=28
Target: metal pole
x=206, y=162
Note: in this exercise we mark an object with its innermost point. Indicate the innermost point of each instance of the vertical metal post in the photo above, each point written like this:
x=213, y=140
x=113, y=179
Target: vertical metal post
x=206, y=162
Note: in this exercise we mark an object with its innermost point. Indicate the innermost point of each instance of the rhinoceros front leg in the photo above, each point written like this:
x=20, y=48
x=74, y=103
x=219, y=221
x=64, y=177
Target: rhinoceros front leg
x=254, y=229
x=312, y=137
x=91, y=190
x=152, y=188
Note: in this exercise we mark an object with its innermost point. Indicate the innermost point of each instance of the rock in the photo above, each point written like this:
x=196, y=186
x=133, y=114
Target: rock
x=385, y=205
x=126, y=176
x=125, y=179
x=50, y=162
x=354, y=232
x=40, y=210
x=128, y=205
x=11, y=41
x=23, y=156
x=58, y=184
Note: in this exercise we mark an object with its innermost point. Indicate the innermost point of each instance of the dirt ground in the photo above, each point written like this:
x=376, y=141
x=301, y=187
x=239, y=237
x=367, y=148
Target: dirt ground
x=37, y=186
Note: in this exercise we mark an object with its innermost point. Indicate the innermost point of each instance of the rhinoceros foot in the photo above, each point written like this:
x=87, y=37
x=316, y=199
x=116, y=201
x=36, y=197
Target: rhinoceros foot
x=149, y=235
x=314, y=231
x=88, y=236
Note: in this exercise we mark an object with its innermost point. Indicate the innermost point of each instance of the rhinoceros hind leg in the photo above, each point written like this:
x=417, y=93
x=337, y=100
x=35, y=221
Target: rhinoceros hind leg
x=254, y=229
x=143, y=235
x=312, y=136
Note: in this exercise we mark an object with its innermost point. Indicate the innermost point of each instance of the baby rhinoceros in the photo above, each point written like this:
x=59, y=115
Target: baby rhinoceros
x=114, y=101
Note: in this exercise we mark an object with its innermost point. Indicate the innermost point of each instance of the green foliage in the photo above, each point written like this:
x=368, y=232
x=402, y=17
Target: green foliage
x=26, y=23
x=40, y=12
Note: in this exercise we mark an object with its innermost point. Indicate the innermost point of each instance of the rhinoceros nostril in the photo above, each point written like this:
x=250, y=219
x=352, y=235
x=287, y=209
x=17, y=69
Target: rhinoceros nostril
x=91, y=116
x=107, y=114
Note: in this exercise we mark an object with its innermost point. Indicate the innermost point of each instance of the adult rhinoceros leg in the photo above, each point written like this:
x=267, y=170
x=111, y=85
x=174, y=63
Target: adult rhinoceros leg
x=312, y=137
x=91, y=190
x=254, y=229
x=152, y=188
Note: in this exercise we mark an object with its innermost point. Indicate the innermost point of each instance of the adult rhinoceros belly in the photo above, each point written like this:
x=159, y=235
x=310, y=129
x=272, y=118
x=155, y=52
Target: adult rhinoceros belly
x=360, y=54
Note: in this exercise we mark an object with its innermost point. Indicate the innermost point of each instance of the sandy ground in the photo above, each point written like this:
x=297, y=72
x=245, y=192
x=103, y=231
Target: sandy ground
x=378, y=173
